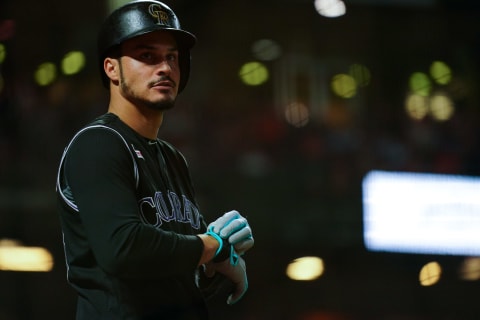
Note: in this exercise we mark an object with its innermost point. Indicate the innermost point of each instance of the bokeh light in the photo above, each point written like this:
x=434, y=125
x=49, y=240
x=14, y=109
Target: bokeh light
x=305, y=269
x=440, y=72
x=330, y=8
x=420, y=84
x=3, y=52
x=15, y=257
x=253, y=73
x=45, y=74
x=344, y=85
x=441, y=107
x=470, y=269
x=297, y=114
x=416, y=106
x=73, y=62
x=430, y=274
x=113, y=4
x=266, y=50
x=360, y=73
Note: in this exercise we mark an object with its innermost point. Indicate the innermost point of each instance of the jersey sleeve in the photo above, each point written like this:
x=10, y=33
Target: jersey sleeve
x=99, y=171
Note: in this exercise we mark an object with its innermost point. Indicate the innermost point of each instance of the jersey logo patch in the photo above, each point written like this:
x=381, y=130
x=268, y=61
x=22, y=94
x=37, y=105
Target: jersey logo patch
x=138, y=153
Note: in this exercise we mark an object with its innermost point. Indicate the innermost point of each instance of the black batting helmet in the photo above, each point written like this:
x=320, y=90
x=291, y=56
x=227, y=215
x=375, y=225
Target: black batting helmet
x=140, y=17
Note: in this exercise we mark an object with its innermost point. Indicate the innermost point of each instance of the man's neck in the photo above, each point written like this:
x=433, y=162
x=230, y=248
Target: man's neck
x=143, y=120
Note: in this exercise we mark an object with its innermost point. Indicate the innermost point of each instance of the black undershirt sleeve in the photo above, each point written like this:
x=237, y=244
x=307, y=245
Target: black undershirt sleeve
x=99, y=171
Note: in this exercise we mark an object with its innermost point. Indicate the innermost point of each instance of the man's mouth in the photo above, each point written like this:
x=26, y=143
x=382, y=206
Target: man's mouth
x=165, y=83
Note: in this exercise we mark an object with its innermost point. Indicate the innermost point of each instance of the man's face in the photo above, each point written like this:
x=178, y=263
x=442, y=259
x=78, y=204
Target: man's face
x=149, y=70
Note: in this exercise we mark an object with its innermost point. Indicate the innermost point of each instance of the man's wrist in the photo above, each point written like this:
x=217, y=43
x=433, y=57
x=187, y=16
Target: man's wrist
x=210, y=246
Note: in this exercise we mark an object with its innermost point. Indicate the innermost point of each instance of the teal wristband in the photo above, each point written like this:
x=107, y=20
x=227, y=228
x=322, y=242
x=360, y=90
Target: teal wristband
x=219, y=239
x=224, y=250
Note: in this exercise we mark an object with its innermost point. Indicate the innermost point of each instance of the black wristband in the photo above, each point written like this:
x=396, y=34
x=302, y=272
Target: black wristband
x=224, y=253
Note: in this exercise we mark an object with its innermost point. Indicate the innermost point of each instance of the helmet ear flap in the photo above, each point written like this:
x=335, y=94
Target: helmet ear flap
x=137, y=18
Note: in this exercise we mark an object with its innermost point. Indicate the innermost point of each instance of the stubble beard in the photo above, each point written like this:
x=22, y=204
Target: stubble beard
x=130, y=94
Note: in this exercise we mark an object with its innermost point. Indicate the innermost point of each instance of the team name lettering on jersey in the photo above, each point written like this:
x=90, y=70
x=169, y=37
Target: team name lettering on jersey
x=155, y=210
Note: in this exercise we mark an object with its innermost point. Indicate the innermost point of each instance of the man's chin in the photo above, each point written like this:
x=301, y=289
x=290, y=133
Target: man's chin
x=164, y=104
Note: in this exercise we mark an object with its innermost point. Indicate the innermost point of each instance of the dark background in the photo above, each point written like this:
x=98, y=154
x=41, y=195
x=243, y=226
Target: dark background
x=300, y=187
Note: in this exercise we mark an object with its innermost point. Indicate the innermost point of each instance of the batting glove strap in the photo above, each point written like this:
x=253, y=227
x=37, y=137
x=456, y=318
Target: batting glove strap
x=225, y=250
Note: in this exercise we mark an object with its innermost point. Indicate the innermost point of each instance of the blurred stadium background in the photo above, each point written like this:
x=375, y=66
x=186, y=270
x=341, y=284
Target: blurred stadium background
x=290, y=103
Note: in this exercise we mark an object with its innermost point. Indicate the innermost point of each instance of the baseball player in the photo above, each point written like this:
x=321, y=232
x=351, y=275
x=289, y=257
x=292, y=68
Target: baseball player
x=136, y=243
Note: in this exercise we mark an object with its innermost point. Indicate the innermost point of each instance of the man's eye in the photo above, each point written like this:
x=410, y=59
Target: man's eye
x=172, y=57
x=146, y=56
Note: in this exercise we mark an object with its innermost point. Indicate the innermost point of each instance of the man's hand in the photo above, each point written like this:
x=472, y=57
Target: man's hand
x=237, y=274
x=235, y=228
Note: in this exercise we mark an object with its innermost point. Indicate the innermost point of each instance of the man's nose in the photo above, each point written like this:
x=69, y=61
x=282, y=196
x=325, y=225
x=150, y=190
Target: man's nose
x=164, y=67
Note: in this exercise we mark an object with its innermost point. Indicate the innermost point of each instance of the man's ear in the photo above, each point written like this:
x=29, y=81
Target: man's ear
x=112, y=69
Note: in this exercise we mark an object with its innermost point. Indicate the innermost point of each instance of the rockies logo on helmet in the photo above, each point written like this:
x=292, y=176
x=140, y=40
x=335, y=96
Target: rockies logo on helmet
x=156, y=11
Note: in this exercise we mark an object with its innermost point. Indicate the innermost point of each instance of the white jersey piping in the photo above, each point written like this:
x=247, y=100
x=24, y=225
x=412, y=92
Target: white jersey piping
x=70, y=203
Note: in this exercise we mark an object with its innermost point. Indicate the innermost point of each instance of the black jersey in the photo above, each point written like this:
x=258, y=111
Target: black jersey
x=129, y=220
